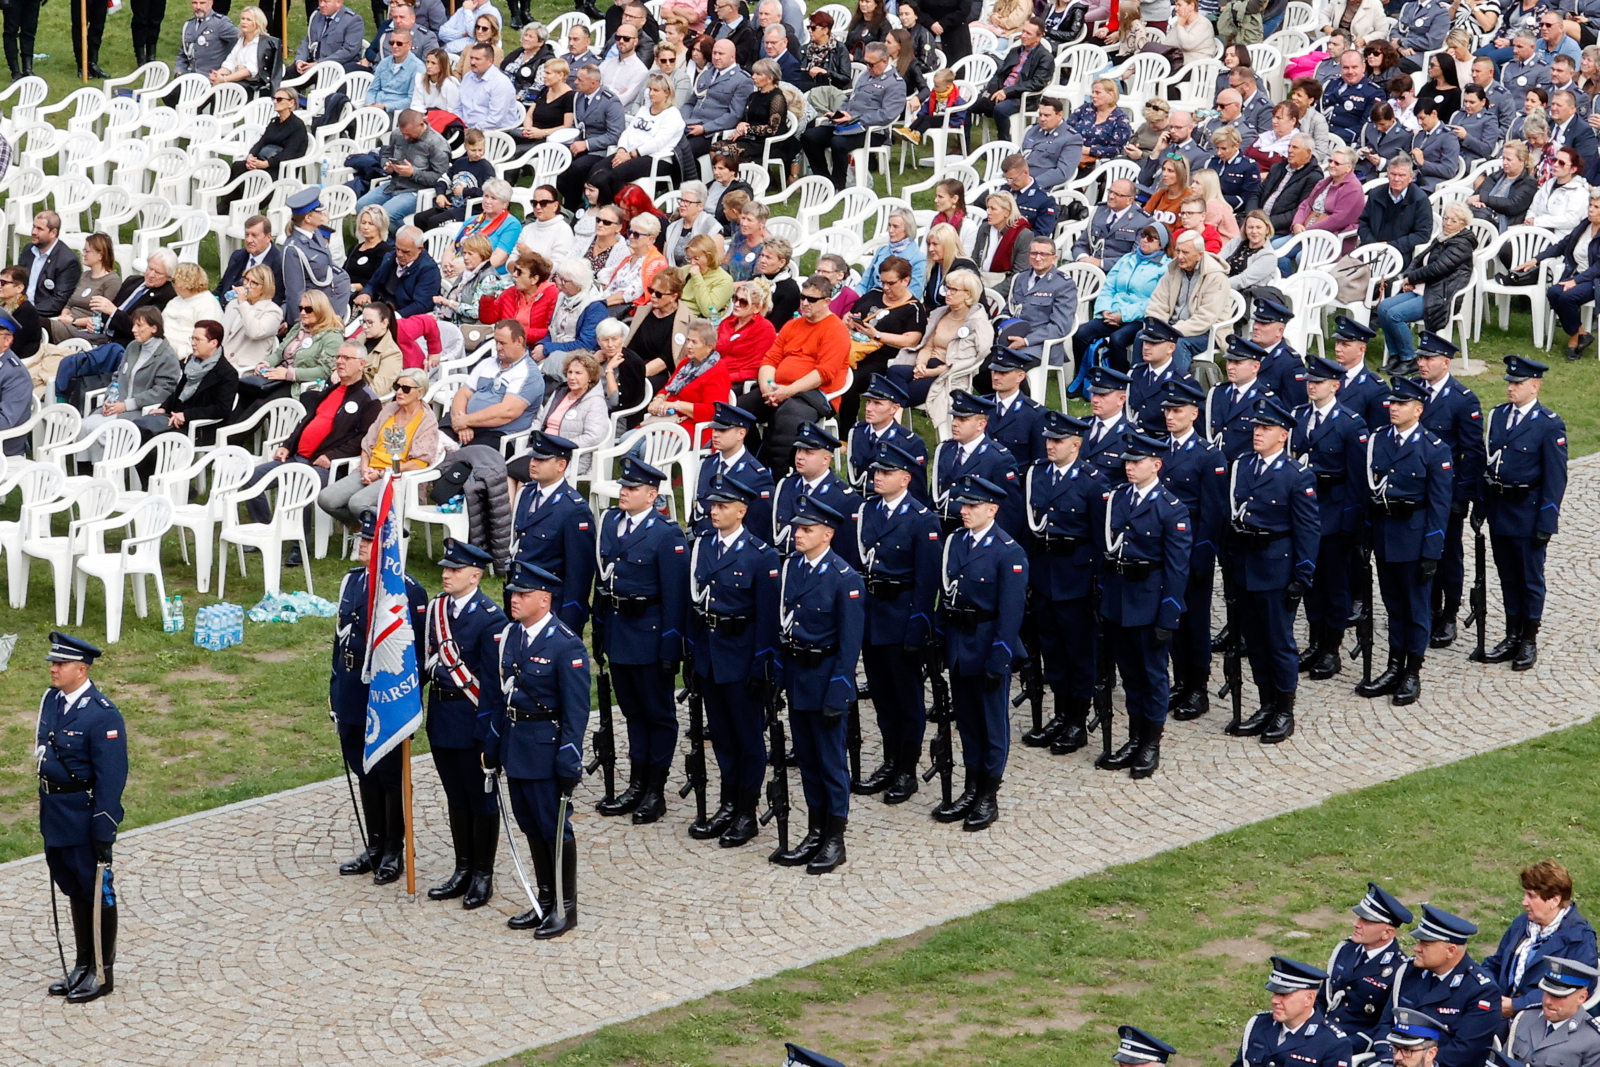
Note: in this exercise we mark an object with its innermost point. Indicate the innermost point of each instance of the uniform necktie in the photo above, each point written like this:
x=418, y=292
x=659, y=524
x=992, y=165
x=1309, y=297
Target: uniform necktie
x=1316, y=420
x=722, y=546
x=1516, y=417
x=538, y=498
x=627, y=528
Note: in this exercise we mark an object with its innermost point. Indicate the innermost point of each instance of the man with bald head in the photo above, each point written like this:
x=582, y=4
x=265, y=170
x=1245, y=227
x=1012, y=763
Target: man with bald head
x=407, y=279
x=718, y=100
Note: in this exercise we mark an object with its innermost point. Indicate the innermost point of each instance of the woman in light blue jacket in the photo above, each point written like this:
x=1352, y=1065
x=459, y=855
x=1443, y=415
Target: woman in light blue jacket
x=902, y=227
x=1119, y=310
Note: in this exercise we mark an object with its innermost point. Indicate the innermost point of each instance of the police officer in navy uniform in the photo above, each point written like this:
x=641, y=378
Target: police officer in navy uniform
x=463, y=651
x=1146, y=538
x=641, y=622
x=1414, y=1039
x=882, y=403
x=1065, y=498
x=1524, y=484
x=1272, y=559
x=1362, y=967
x=730, y=426
x=1331, y=441
x=1147, y=386
x=1194, y=471
x=1231, y=406
x=984, y=580
x=1360, y=390
x=381, y=803
x=1444, y=981
x=1018, y=419
x=893, y=542
x=1136, y=1047
x=538, y=715
x=553, y=528
x=813, y=476
x=971, y=453
x=1560, y=1032
x=1295, y=1033
x=1284, y=369
x=822, y=619
x=1453, y=414
x=1108, y=400
x=81, y=748
x=1410, y=481
x=734, y=634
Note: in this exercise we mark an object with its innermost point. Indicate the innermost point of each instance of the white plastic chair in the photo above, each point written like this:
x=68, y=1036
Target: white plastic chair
x=1089, y=279
x=117, y=439
x=95, y=498
x=297, y=489
x=1524, y=242
x=276, y=419
x=138, y=555
x=1318, y=248
x=665, y=444
x=229, y=468
x=457, y=524
x=1312, y=293
x=39, y=484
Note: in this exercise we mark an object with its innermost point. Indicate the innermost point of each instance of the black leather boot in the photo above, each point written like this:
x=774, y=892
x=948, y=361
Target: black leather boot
x=628, y=799
x=904, y=785
x=1330, y=657
x=92, y=988
x=1219, y=640
x=743, y=826
x=877, y=780
x=461, y=838
x=1253, y=726
x=1506, y=650
x=485, y=841
x=1073, y=735
x=1384, y=683
x=1196, y=701
x=986, y=809
x=807, y=847
x=1409, y=685
x=1050, y=730
x=1148, y=758
x=831, y=852
x=372, y=810
x=1281, y=726
x=958, y=808
x=94, y=63
x=1444, y=625
x=1179, y=687
x=83, y=938
x=717, y=822
x=1315, y=640
x=27, y=72
x=653, y=801
x=392, y=864
x=544, y=886
x=1528, y=647
x=1122, y=758
x=553, y=927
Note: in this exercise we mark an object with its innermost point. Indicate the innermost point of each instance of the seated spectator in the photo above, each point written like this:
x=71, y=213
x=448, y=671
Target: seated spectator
x=1027, y=68
x=837, y=271
x=732, y=26
x=436, y=88
x=192, y=302
x=1001, y=249
x=16, y=392
x=1219, y=213
x=1475, y=126
x=870, y=25
x=405, y=417
x=1272, y=145
x=1192, y=216
x=384, y=358
x=824, y=62
x=336, y=419
x=1336, y=202
x=531, y=300
x=577, y=408
x=421, y=343
x=26, y=328
x=1043, y=301
x=469, y=173
x=458, y=32
x=651, y=138
x=746, y=336
x=1305, y=94
x=628, y=280
x=258, y=250
x=1142, y=148
x=304, y=355
x=709, y=288
x=1428, y=285
x=1503, y=196
x=1191, y=31
x=945, y=257
x=745, y=248
x=580, y=50
x=1551, y=927
x=1192, y=297
x=1575, y=288
x=372, y=247
x=1535, y=102
x=693, y=220
x=655, y=334
x=333, y=35
x=579, y=309
x=955, y=340
x=1402, y=96
x=204, y=392
x=698, y=383
x=250, y=325
x=1383, y=61
x=810, y=357
x=488, y=99
x=883, y=321
x=285, y=138
x=724, y=180
x=1164, y=204
x=1249, y=258
x=1399, y=215
x=773, y=266
x=718, y=98
x=1289, y=182
x=550, y=117
x=1382, y=138
x=766, y=113
x=53, y=269
x=254, y=56
x=1238, y=176
x=144, y=377
x=153, y=289
x=394, y=77
x=414, y=158
x=1435, y=149
x=504, y=393
x=473, y=280
x=524, y=63
x=1571, y=129
x=1120, y=308
x=878, y=99
x=494, y=223
x=623, y=68
x=669, y=63
x=607, y=248
x=934, y=107
x=98, y=278
x=1441, y=88
x=950, y=207
x=546, y=229
x=622, y=372
x=407, y=279
x=1037, y=206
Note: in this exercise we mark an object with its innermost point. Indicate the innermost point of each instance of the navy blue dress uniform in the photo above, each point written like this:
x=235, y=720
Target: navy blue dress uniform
x=1525, y=481
x=831, y=489
x=1135, y=1046
x=1284, y=369
x=1347, y=106
x=81, y=748
x=1332, y=442
x=1229, y=410
x=1453, y=414
x=984, y=585
x=745, y=467
x=984, y=458
x=734, y=641
x=1359, y=978
x=823, y=621
x=1271, y=562
x=1316, y=1042
x=1465, y=999
x=1018, y=420
x=1146, y=538
x=1416, y=1030
x=1575, y=1041
x=865, y=442
x=381, y=803
x=553, y=529
x=1102, y=446
x=1364, y=393
x=641, y=623
x=1523, y=958
x=1147, y=385
x=1410, y=482
x=1065, y=504
x=462, y=652
x=896, y=549
x=1195, y=471
x=538, y=715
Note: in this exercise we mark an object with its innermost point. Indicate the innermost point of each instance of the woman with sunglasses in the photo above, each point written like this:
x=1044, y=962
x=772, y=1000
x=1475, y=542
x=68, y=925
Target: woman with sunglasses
x=578, y=312
x=485, y=30
x=305, y=354
x=405, y=416
x=628, y=282
x=746, y=335
x=285, y=137
x=531, y=300
x=655, y=333
x=607, y=248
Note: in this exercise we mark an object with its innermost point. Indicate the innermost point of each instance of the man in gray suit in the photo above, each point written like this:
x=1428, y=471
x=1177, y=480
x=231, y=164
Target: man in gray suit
x=1559, y=1033
x=333, y=36
x=205, y=40
x=1051, y=146
x=1045, y=300
x=719, y=98
x=879, y=99
x=597, y=114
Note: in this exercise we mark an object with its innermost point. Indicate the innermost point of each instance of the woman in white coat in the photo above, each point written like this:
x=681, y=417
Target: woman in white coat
x=250, y=325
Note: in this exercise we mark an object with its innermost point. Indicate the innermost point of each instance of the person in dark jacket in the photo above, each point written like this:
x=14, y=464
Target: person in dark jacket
x=1027, y=68
x=407, y=279
x=1399, y=215
x=1551, y=928
x=1382, y=138
x=1288, y=183
x=28, y=330
x=204, y=392
x=1502, y=197
x=153, y=288
x=1443, y=268
x=59, y=274
x=1576, y=287
x=284, y=138
x=824, y=61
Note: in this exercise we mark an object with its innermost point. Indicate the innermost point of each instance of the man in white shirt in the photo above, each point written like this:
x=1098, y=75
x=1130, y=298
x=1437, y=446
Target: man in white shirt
x=624, y=73
x=488, y=98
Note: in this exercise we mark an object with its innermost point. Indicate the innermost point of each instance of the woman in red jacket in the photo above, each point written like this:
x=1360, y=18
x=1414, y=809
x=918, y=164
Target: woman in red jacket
x=745, y=337
x=531, y=299
x=698, y=384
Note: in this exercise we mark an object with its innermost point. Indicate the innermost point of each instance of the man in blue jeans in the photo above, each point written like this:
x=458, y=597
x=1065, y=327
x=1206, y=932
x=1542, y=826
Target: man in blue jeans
x=413, y=160
x=1396, y=314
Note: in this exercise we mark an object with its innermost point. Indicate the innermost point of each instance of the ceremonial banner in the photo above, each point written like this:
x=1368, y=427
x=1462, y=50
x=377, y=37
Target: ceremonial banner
x=394, y=696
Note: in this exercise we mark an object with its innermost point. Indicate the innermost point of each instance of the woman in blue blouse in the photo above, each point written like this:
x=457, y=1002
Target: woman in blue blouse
x=1103, y=125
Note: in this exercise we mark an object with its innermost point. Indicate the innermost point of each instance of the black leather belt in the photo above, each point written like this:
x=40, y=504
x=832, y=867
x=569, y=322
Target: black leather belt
x=47, y=787
x=807, y=655
x=1508, y=490
x=732, y=625
x=1135, y=570
x=1397, y=509
x=1330, y=480
x=1254, y=537
x=888, y=589
x=627, y=606
x=541, y=714
x=1062, y=545
x=446, y=692
x=968, y=619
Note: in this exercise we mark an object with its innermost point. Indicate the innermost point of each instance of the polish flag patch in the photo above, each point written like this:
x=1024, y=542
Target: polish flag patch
x=578, y=662
x=583, y=526
x=1311, y=491
x=1483, y=1005
x=1183, y=526
x=1561, y=440
x=1016, y=568
x=933, y=536
x=854, y=593
x=677, y=548
x=772, y=574
x=112, y=735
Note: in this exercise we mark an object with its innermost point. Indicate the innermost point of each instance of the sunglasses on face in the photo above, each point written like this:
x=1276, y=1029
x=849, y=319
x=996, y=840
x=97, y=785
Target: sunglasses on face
x=606, y=222
x=620, y=38
x=744, y=302
x=661, y=292
x=631, y=234
x=804, y=299
x=405, y=388
x=543, y=202
x=305, y=308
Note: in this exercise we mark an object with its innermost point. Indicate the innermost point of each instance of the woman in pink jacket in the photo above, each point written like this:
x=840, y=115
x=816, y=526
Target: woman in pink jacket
x=1336, y=202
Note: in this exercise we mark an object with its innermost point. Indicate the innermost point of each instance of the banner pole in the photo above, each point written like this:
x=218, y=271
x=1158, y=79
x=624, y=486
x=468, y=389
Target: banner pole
x=83, y=38
x=411, y=837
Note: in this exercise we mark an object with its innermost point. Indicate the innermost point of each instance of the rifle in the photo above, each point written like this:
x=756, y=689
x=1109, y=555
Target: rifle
x=605, y=735
x=778, y=783
x=1105, y=680
x=1233, y=653
x=941, y=750
x=1480, y=589
x=1363, y=647
x=694, y=761
x=1032, y=690
x=852, y=740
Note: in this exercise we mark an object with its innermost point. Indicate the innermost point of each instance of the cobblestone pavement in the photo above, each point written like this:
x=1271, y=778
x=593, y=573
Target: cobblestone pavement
x=241, y=945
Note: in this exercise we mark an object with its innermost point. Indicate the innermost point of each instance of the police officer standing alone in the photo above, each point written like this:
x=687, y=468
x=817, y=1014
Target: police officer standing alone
x=1146, y=540
x=734, y=591
x=1453, y=414
x=81, y=748
x=896, y=551
x=1560, y=1032
x=822, y=622
x=813, y=476
x=1362, y=968
x=1410, y=482
x=1194, y=471
x=641, y=607
x=1523, y=489
x=553, y=528
x=984, y=579
x=464, y=628
x=537, y=721
x=1295, y=1032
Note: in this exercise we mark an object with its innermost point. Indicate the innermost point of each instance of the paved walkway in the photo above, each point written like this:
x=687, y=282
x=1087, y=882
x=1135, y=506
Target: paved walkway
x=242, y=946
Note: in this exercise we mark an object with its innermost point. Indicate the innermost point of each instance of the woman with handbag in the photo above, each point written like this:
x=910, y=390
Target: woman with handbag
x=1504, y=196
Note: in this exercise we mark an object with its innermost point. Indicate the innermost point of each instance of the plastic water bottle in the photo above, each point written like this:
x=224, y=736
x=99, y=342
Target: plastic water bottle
x=114, y=391
x=237, y=630
x=326, y=166
x=202, y=627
